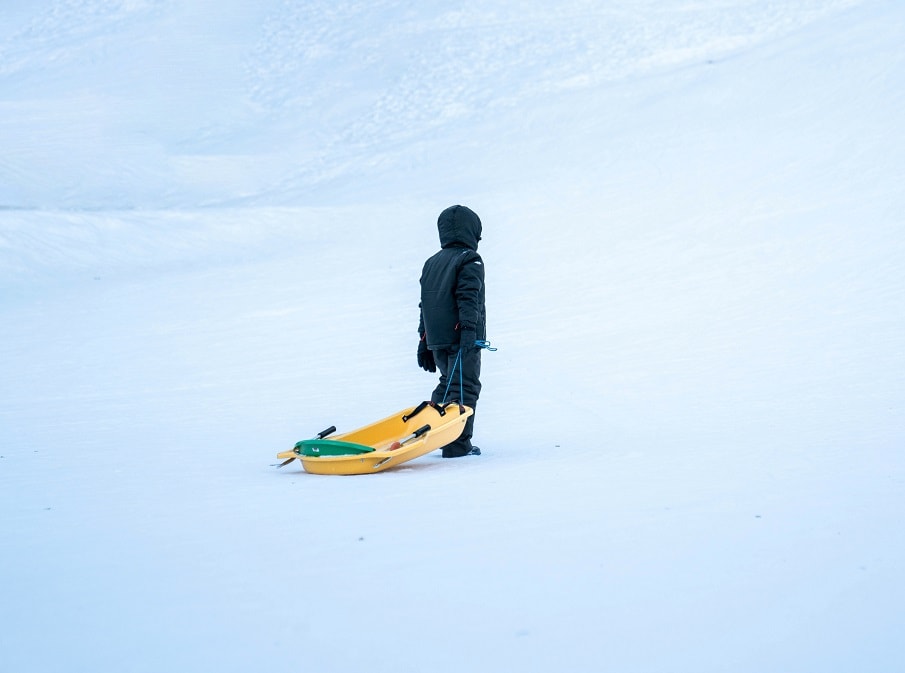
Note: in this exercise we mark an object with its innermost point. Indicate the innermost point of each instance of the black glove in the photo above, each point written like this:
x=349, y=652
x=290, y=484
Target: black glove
x=425, y=357
x=467, y=337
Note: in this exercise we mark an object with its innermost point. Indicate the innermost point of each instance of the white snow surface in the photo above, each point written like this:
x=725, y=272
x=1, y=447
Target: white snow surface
x=213, y=217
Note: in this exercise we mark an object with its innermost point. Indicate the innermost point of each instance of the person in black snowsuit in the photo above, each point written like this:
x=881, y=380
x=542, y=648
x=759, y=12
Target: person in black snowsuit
x=453, y=317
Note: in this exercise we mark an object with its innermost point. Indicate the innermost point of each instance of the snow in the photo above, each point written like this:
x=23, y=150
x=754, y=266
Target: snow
x=212, y=222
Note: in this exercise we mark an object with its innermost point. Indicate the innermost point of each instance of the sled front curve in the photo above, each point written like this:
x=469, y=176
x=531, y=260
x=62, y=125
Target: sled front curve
x=404, y=436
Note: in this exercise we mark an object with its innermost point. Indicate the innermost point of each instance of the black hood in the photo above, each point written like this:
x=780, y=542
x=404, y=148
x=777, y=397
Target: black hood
x=459, y=227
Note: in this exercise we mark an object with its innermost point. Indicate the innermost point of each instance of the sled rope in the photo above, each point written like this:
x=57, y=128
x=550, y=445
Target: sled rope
x=457, y=363
x=479, y=343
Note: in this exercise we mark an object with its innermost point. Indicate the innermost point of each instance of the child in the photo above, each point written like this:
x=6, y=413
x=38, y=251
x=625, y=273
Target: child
x=453, y=317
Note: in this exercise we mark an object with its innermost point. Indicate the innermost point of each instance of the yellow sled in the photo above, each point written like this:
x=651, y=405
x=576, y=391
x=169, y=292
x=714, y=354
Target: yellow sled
x=394, y=440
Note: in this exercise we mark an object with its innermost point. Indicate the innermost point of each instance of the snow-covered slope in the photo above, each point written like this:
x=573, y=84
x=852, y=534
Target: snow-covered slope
x=149, y=103
x=212, y=222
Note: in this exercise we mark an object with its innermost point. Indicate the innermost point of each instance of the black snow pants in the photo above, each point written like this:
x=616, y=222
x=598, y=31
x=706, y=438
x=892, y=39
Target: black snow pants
x=468, y=395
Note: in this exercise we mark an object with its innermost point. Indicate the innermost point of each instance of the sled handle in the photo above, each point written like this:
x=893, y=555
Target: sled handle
x=423, y=430
x=421, y=407
x=417, y=410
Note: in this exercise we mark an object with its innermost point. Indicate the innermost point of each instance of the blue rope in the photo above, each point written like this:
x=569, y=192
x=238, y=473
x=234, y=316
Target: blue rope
x=450, y=380
x=461, y=385
x=479, y=343
x=483, y=343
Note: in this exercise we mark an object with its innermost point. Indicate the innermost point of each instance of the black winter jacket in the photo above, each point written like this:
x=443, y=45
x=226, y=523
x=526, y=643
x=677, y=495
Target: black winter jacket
x=452, y=282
